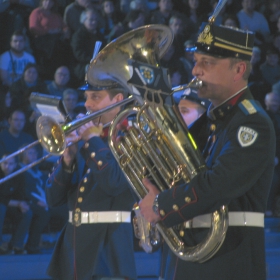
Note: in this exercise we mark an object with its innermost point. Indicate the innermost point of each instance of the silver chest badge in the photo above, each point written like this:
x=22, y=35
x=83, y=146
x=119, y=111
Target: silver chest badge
x=246, y=136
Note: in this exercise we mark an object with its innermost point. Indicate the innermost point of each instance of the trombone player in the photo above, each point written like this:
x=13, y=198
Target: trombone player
x=239, y=156
x=97, y=241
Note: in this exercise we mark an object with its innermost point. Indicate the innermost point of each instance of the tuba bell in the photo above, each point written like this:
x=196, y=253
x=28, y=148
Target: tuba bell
x=157, y=144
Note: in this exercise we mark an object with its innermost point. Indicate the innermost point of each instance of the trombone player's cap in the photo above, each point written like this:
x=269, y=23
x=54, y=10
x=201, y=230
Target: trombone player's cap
x=223, y=41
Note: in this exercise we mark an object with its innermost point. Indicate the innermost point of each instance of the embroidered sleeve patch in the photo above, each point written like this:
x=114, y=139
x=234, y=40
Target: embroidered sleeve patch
x=246, y=136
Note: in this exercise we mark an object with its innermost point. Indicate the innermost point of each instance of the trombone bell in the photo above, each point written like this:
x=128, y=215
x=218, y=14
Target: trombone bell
x=51, y=135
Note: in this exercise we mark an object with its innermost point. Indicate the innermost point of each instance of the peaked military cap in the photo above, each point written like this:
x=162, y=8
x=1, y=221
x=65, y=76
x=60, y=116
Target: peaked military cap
x=224, y=41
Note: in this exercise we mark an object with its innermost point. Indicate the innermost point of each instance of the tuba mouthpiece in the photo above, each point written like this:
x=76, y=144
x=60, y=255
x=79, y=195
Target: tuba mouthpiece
x=195, y=83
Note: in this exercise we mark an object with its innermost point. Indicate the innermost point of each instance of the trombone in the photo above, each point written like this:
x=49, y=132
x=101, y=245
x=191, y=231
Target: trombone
x=52, y=135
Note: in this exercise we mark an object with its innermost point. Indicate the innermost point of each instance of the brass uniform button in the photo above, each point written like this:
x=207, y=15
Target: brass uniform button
x=188, y=199
x=175, y=207
x=77, y=210
x=182, y=233
x=99, y=163
x=85, y=179
x=161, y=212
x=88, y=171
x=212, y=127
x=80, y=199
x=82, y=189
x=86, y=145
x=92, y=155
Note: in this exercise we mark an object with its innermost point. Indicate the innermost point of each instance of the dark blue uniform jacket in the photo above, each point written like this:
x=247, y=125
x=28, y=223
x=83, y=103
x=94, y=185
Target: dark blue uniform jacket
x=240, y=168
x=104, y=249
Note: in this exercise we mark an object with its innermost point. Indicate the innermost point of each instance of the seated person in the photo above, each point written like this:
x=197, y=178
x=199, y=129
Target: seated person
x=34, y=194
x=13, y=61
x=13, y=206
x=83, y=42
x=60, y=82
x=70, y=100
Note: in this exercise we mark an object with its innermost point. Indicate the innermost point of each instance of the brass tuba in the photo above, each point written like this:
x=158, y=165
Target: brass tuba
x=157, y=144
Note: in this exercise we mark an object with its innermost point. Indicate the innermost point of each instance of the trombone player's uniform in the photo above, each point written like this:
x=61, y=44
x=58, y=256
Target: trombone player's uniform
x=98, y=240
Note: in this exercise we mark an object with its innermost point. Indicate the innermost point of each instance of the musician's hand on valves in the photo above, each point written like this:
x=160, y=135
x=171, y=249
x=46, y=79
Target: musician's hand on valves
x=146, y=204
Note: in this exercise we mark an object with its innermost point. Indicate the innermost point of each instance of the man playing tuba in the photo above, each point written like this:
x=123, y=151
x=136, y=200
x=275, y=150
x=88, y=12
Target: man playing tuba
x=239, y=155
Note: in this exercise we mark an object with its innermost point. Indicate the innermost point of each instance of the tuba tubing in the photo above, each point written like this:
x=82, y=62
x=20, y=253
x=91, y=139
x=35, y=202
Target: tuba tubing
x=132, y=154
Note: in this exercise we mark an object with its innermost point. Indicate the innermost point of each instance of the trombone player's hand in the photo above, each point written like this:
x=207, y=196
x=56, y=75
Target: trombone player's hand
x=72, y=148
x=90, y=130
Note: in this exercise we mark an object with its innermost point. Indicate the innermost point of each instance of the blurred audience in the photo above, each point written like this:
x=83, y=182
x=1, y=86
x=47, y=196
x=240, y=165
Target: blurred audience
x=5, y=107
x=28, y=83
x=256, y=82
x=83, y=42
x=13, y=206
x=14, y=137
x=270, y=68
x=187, y=59
x=49, y=38
x=163, y=13
x=70, y=100
x=72, y=14
x=272, y=107
x=252, y=20
x=112, y=20
x=13, y=61
x=60, y=82
x=34, y=194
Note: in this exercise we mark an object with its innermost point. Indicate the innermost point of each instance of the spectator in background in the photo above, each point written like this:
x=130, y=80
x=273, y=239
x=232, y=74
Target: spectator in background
x=171, y=57
x=163, y=13
x=5, y=107
x=34, y=195
x=83, y=42
x=272, y=107
x=196, y=13
x=72, y=14
x=276, y=41
x=70, y=100
x=21, y=89
x=112, y=19
x=179, y=27
x=13, y=61
x=187, y=59
x=276, y=87
x=60, y=82
x=270, y=69
x=257, y=84
x=252, y=20
x=49, y=38
x=134, y=19
x=12, y=205
x=231, y=20
x=178, y=75
x=14, y=137
x=272, y=14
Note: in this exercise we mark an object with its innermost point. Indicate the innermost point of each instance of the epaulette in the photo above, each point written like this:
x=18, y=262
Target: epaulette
x=248, y=107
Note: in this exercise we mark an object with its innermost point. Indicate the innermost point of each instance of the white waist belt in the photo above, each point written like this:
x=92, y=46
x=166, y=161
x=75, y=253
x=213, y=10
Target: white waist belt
x=102, y=217
x=238, y=219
